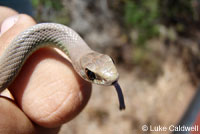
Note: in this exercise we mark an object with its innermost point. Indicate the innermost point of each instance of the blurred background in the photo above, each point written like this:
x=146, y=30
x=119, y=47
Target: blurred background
x=155, y=45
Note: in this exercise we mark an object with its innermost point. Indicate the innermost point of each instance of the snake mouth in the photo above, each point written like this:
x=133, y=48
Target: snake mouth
x=103, y=82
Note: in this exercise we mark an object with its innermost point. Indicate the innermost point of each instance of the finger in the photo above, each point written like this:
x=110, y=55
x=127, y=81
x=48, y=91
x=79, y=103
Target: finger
x=8, y=110
x=6, y=12
x=47, y=88
x=22, y=22
x=8, y=23
x=13, y=120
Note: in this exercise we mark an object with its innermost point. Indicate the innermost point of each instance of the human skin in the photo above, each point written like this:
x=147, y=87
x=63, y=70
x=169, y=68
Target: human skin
x=46, y=93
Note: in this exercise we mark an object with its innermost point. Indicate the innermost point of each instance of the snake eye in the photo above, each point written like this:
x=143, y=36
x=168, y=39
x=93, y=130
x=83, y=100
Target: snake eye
x=90, y=74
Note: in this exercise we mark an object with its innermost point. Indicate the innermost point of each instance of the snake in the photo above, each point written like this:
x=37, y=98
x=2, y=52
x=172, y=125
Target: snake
x=92, y=66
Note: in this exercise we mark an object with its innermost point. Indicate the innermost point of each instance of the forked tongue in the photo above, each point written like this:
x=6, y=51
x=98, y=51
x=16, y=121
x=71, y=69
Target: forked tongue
x=120, y=96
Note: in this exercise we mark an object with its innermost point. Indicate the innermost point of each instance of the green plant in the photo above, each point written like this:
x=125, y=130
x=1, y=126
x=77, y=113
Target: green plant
x=56, y=5
x=50, y=10
x=143, y=16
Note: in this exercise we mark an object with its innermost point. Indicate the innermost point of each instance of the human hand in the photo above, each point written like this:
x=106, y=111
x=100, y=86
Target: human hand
x=47, y=92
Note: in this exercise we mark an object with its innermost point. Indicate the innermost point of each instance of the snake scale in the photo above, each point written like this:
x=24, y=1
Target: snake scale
x=90, y=65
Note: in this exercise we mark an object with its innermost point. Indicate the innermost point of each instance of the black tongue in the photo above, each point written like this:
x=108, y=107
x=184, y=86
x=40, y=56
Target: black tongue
x=120, y=96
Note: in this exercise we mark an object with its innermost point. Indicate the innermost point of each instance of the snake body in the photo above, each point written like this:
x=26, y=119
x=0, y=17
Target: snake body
x=90, y=65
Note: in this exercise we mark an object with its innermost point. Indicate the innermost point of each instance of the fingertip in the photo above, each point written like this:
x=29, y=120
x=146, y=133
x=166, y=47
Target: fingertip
x=12, y=26
x=26, y=20
x=6, y=12
x=19, y=19
x=8, y=23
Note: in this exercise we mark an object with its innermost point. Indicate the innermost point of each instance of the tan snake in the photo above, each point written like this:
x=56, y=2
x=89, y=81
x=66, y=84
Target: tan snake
x=90, y=65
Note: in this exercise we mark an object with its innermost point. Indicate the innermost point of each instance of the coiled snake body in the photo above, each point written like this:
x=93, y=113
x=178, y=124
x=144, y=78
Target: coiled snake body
x=90, y=65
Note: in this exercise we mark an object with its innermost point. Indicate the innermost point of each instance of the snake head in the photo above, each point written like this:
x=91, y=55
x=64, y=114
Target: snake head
x=98, y=68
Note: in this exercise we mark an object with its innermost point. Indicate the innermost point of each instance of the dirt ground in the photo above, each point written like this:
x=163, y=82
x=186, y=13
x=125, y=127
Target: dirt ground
x=161, y=103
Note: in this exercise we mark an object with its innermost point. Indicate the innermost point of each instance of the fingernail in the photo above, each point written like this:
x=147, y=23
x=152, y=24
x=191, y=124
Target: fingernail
x=8, y=23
